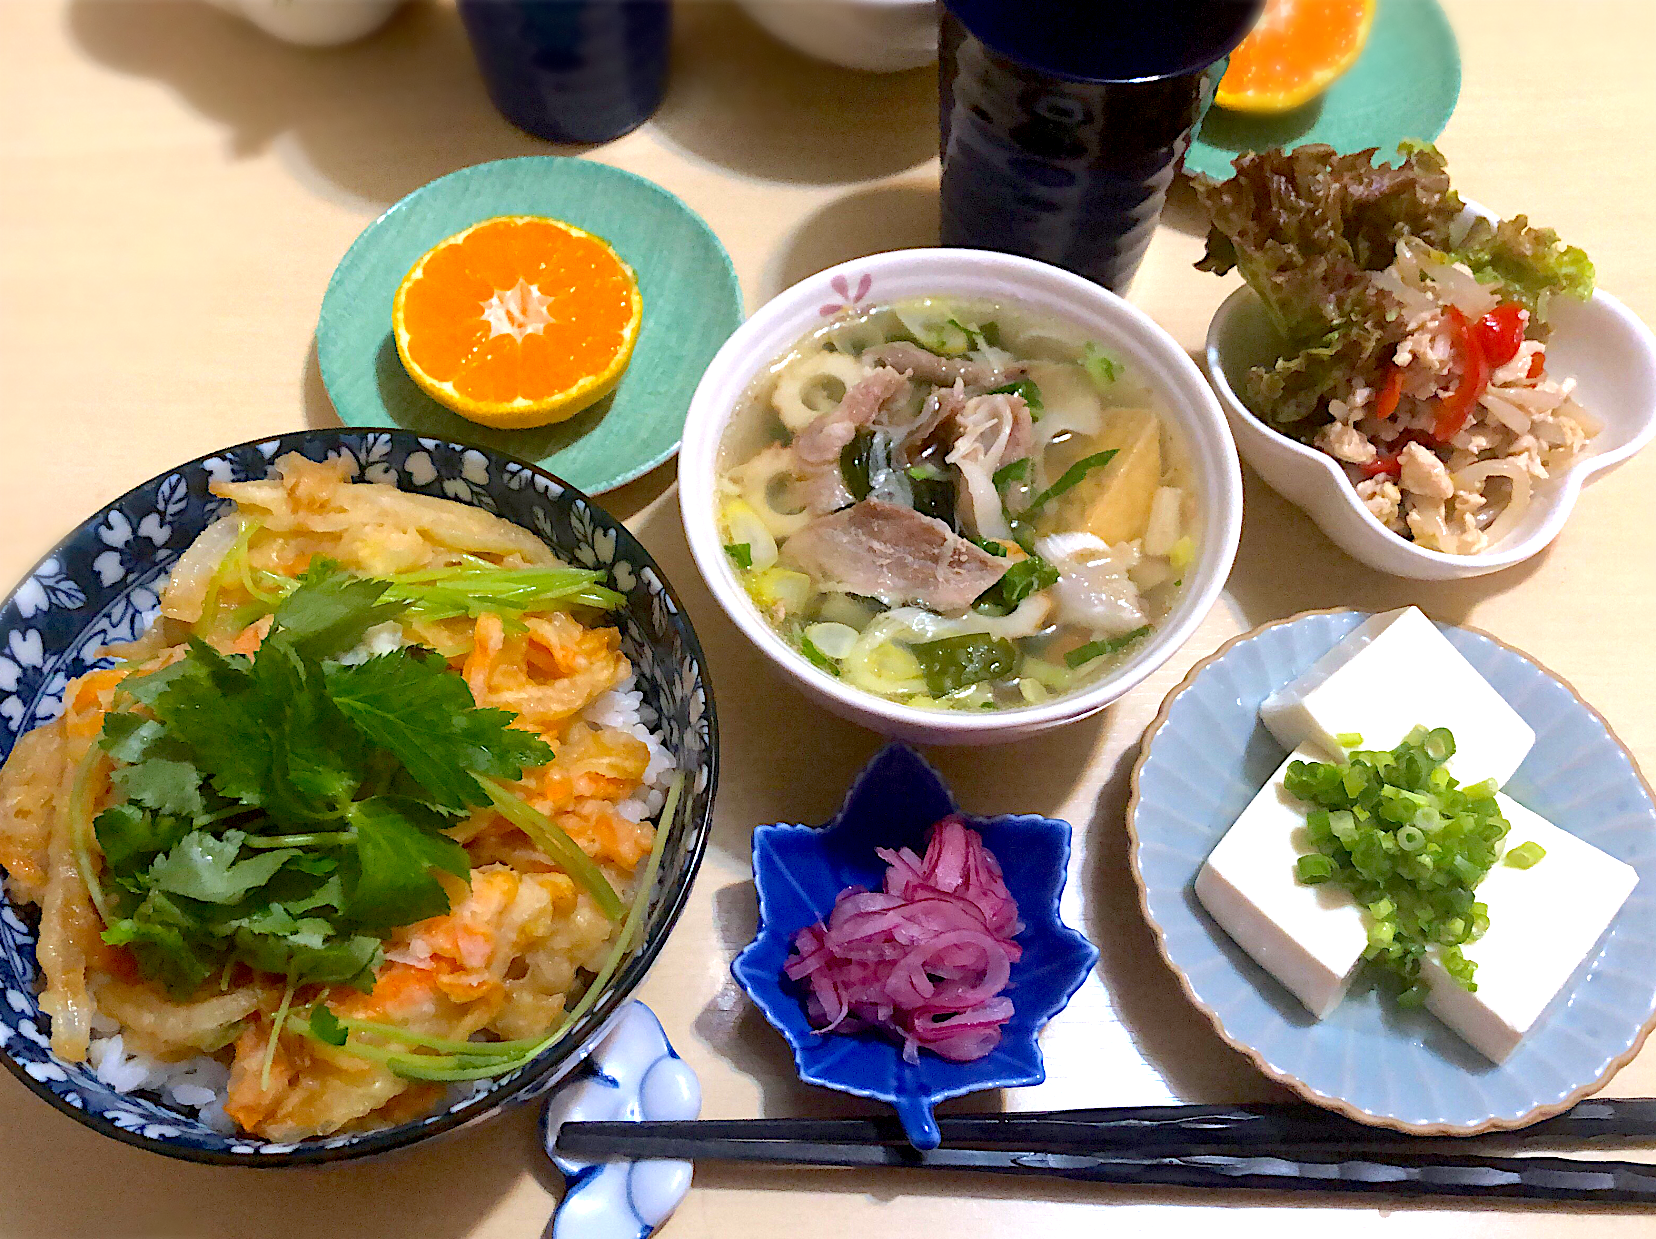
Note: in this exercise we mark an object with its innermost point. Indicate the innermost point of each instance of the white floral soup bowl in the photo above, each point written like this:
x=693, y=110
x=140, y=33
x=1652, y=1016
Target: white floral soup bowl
x=1610, y=353
x=100, y=587
x=1121, y=328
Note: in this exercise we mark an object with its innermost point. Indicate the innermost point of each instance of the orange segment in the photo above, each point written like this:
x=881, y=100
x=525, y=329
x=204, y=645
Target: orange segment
x=1295, y=52
x=519, y=320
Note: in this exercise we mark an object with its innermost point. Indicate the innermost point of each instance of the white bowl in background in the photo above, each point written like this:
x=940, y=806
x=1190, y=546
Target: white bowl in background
x=980, y=274
x=313, y=23
x=1611, y=354
x=875, y=36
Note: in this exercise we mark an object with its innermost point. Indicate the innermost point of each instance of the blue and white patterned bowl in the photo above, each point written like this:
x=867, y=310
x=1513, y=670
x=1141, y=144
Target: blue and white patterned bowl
x=100, y=587
x=799, y=872
x=1204, y=759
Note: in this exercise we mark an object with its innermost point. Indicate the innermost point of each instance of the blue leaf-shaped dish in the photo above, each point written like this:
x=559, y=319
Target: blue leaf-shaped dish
x=799, y=872
x=1204, y=759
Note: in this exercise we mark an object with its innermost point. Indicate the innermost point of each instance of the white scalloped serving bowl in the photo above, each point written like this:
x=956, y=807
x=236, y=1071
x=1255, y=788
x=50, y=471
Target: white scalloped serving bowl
x=988, y=275
x=1601, y=342
x=1206, y=756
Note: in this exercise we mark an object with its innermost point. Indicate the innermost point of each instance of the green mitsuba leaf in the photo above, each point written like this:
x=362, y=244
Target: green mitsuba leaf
x=314, y=758
x=331, y=609
x=389, y=879
x=425, y=715
x=205, y=867
x=128, y=737
x=285, y=811
x=130, y=838
x=325, y=1025
x=165, y=940
x=162, y=784
x=312, y=952
x=210, y=706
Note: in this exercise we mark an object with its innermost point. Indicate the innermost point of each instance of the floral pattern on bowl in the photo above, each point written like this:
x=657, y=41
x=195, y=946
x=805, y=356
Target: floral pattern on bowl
x=100, y=587
x=799, y=871
x=634, y=1074
x=850, y=299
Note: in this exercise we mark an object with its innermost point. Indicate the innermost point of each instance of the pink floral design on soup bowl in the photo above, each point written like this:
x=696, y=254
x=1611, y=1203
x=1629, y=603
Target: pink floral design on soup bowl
x=981, y=275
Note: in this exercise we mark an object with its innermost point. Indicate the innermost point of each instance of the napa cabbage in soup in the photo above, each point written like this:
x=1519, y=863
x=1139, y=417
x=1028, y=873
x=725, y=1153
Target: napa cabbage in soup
x=957, y=504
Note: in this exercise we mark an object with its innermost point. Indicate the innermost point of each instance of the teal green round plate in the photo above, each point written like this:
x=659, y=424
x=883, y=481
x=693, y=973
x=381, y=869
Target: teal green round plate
x=692, y=302
x=1404, y=85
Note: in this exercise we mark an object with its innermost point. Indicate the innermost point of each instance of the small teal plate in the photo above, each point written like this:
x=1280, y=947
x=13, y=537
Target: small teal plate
x=1404, y=85
x=692, y=302
x=1204, y=759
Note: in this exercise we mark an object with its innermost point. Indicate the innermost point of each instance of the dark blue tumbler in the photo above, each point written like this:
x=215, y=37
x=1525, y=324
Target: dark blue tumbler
x=1064, y=121
x=572, y=70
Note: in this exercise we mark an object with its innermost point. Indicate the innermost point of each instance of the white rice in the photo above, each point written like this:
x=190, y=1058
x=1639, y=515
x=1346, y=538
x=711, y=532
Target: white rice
x=200, y=1085
x=380, y=639
x=623, y=708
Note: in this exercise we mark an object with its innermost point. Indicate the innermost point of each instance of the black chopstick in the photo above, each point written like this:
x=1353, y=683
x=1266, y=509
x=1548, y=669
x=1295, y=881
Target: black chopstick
x=1555, y=1179
x=1166, y=1130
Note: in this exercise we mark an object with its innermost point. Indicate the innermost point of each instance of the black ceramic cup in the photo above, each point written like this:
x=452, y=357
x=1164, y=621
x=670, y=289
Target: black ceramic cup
x=1063, y=122
x=572, y=70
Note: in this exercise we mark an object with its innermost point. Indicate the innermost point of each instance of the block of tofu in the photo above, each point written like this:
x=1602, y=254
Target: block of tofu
x=1310, y=938
x=1543, y=923
x=1394, y=672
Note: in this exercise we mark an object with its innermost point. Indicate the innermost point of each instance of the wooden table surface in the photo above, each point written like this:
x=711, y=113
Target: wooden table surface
x=175, y=189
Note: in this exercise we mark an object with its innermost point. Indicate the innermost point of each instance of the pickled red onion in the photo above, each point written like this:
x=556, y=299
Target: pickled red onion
x=926, y=958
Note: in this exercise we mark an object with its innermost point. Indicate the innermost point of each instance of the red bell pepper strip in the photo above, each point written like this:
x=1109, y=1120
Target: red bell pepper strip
x=1500, y=332
x=1454, y=409
x=1384, y=466
x=1538, y=362
x=1391, y=465
x=1390, y=393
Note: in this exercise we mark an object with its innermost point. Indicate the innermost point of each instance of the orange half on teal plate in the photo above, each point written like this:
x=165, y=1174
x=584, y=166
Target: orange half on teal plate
x=1404, y=84
x=687, y=288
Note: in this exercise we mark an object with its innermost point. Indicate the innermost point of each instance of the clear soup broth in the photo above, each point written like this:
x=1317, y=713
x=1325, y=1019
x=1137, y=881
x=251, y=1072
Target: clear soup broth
x=957, y=504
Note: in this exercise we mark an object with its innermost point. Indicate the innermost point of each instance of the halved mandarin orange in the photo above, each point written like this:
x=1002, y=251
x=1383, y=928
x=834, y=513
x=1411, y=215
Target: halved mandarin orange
x=1294, y=53
x=520, y=320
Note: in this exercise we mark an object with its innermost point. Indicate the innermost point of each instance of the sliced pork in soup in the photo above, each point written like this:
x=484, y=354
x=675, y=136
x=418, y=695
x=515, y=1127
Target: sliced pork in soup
x=957, y=505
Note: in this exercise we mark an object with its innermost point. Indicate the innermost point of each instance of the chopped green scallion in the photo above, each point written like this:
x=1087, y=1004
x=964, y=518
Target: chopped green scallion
x=1072, y=477
x=1028, y=390
x=1017, y=471
x=1410, y=844
x=1097, y=649
x=1101, y=368
x=809, y=648
x=1314, y=868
